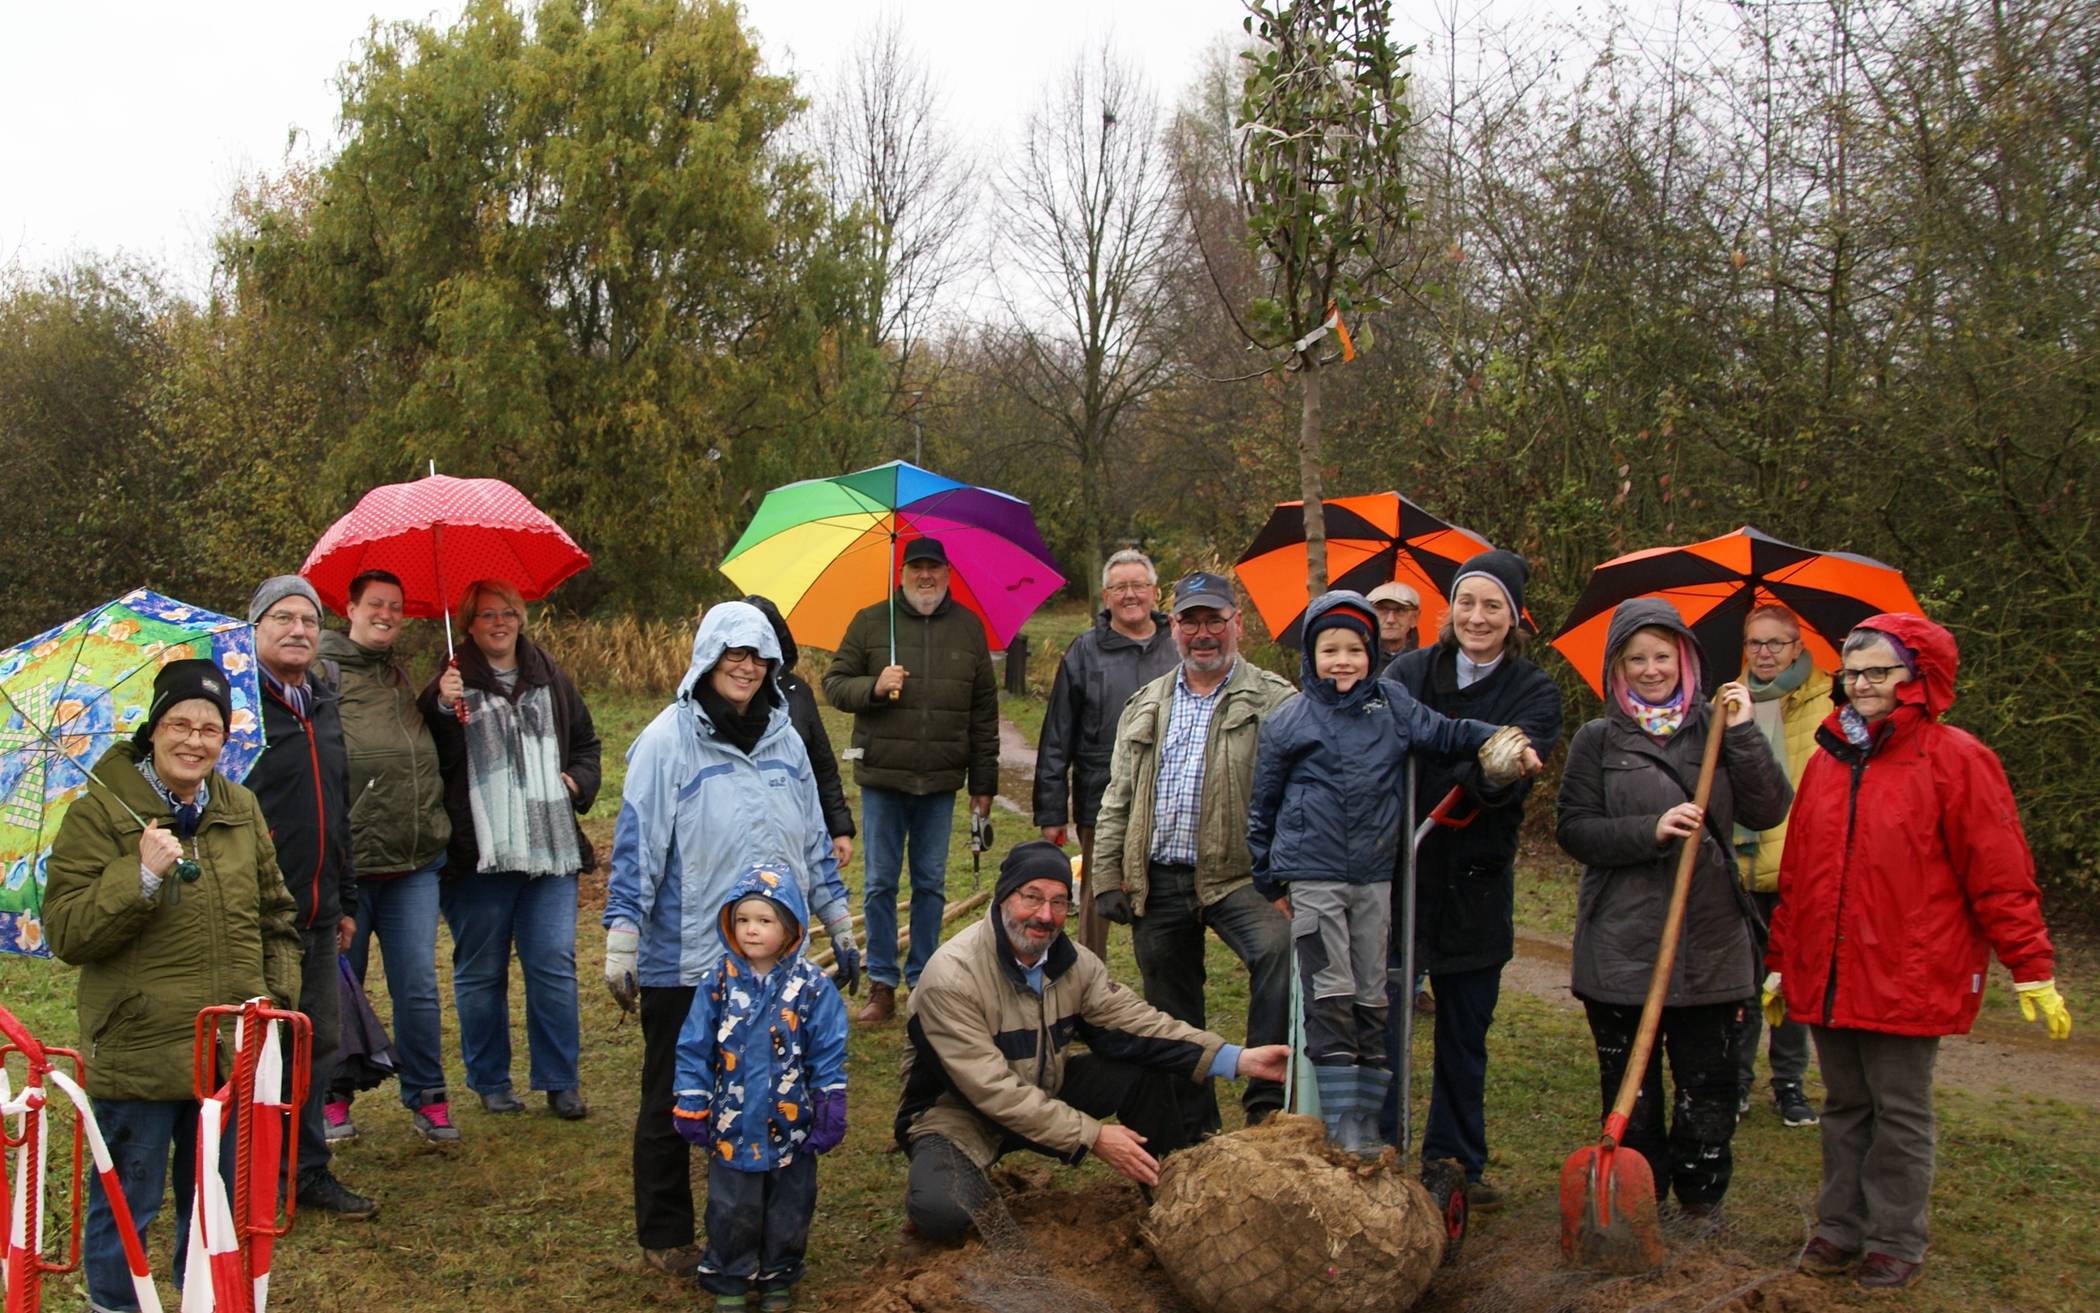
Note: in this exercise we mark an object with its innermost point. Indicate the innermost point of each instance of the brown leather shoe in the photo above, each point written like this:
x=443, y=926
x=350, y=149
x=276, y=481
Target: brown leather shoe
x=882, y=1005
x=1879, y=1271
x=1822, y=1258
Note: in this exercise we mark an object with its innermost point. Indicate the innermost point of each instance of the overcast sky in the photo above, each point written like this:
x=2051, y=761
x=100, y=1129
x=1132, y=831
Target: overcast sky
x=128, y=125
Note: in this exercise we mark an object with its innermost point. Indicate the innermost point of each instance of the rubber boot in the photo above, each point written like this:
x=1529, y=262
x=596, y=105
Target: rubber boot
x=1338, y=1111
x=1371, y=1086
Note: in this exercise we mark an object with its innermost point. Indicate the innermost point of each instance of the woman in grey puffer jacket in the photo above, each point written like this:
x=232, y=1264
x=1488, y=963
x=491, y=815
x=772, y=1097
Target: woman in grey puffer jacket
x=1625, y=806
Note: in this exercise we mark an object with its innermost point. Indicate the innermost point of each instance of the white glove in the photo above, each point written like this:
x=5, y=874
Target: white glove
x=622, y=942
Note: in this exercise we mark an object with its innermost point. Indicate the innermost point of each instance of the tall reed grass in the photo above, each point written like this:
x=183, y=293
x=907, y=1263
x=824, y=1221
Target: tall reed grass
x=622, y=655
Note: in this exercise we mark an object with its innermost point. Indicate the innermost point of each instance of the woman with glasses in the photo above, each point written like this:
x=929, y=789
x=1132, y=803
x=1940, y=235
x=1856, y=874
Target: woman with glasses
x=1905, y=868
x=718, y=784
x=1788, y=699
x=164, y=890
x=1626, y=811
x=520, y=762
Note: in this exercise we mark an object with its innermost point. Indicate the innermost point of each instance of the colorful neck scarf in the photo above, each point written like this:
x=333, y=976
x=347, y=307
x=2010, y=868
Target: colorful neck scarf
x=1656, y=721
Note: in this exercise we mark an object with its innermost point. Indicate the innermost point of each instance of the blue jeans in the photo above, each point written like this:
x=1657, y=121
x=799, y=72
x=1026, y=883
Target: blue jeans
x=488, y=913
x=403, y=912
x=140, y=1134
x=888, y=821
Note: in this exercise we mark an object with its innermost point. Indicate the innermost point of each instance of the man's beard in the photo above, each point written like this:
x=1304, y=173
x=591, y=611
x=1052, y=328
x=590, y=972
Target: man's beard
x=924, y=603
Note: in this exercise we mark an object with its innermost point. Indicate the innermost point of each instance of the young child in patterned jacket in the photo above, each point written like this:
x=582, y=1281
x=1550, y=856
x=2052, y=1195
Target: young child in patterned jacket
x=761, y=1085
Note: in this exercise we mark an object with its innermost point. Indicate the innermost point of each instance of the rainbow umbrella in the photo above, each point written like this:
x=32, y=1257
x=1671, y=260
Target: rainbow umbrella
x=823, y=549
x=1716, y=584
x=67, y=695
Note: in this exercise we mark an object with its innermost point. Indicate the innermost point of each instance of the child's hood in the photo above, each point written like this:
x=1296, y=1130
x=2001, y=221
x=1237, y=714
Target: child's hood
x=1323, y=690
x=777, y=886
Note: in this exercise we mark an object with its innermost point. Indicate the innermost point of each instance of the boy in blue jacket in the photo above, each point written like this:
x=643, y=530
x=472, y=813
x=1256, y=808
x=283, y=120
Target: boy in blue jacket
x=761, y=1085
x=1323, y=826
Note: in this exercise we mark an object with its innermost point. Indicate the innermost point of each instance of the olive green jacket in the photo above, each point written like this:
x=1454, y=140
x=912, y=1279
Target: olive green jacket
x=397, y=797
x=148, y=966
x=942, y=732
x=1123, y=830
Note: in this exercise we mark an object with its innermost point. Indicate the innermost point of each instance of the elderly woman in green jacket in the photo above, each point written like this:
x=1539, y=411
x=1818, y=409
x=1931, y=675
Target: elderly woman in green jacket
x=156, y=942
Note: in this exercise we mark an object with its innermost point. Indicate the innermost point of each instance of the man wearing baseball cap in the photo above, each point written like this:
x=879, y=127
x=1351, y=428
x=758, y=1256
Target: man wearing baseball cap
x=1399, y=608
x=925, y=710
x=1170, y=843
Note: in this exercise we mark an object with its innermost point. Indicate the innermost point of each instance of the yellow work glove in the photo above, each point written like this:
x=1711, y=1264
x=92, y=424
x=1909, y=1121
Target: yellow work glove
x=1773, y=1002
x=2040, y=997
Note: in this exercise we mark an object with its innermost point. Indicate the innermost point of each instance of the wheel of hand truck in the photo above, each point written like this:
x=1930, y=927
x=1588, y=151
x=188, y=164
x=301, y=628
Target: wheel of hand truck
x=1445, y=1180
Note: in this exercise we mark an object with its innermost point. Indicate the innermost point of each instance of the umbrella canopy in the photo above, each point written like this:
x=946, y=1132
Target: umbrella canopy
x=1716, y=584
x=438, y=535
x=67, y=695
x=823, y=549
x=1373, y=539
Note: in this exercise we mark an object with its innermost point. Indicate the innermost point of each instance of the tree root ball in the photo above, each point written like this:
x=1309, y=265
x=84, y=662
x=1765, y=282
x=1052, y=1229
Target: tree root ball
x=1274, y=1220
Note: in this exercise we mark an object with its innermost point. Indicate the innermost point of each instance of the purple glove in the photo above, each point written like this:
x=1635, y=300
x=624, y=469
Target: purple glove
x=693, y=1124
x=828, y=1125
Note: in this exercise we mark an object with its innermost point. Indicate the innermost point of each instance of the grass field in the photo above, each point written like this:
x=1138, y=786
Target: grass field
x=536, y=1213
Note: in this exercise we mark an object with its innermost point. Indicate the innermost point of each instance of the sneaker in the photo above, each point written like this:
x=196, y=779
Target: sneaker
x=1887, y=1272
x=1822, y=1258
x=1794, y=1107
x=501, y=1102
x=332, y=1196
x=1742, y=1100
x=433, y=1121
x=335, y=1114
x=677, y=1261
x=567, y=1105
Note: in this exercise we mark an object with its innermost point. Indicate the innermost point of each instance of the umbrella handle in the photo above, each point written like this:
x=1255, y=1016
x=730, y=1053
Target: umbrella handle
x=459, y=704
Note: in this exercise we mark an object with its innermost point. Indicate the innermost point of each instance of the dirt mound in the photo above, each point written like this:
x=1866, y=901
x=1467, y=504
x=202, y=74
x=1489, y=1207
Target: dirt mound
x=1273, y=1220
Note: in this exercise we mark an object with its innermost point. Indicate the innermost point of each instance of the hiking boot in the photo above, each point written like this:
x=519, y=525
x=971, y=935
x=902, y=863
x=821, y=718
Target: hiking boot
x=1483, y=1195
x=1794, y=1107
x=1425, y=1003
x=433, y=1121
x=677, y=1261
x=336, y=1127
x=882, y=1004
x=332, y=1196
x=567, y=1105
x=501, y=1103
x=1887, y=1272
x=777, y=1301
x=1821, y=1258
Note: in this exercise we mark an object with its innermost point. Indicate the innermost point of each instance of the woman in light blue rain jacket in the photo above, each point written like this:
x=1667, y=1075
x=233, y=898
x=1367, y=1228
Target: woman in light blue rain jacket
x=718, y=783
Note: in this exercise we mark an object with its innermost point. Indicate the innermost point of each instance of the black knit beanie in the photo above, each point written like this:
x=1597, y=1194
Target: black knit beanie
x=179, y=681
x=1507, y=569
x=1038, y=859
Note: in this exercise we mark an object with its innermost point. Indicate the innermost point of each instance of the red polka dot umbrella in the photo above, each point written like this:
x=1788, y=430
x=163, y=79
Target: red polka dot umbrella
x=440, y=534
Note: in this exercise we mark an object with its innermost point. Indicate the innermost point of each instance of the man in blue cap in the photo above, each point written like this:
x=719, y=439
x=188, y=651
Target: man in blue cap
x=1170, y=843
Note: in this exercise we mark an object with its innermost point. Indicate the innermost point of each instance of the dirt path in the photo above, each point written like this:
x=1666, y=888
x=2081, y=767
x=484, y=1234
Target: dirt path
x=2003, y=1057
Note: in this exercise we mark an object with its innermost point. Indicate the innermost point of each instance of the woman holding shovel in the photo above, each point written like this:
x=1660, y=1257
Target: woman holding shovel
x=1904, y=869
x=1625, y=811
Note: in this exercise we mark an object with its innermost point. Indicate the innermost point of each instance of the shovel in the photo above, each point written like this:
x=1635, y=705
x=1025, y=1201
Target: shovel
x=1607, y=1191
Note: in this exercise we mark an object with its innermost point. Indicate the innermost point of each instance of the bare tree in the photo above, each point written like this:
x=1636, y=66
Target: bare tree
x=1088, y=229
x=878, y=132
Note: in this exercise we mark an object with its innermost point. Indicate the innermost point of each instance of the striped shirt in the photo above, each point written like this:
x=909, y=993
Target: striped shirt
x=1177, y=795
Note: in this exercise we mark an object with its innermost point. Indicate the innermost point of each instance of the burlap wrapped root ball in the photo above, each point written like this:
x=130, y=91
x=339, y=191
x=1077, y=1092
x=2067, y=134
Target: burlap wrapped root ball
x=1272, y=1220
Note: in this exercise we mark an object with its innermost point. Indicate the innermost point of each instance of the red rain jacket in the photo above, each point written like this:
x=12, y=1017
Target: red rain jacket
x=1904, y=862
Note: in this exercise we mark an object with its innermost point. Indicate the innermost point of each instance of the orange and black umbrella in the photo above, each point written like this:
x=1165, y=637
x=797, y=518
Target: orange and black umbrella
x=1716, y=584
x=1374, y=539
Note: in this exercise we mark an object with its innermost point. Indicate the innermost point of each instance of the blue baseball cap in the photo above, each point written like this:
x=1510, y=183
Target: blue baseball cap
x=1201, y=588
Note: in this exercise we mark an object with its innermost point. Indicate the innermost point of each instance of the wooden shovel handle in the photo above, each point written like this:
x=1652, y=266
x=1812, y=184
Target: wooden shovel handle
x=1673, y=924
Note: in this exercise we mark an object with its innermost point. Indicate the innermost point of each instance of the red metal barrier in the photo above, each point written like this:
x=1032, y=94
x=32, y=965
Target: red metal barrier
x=238, y=1234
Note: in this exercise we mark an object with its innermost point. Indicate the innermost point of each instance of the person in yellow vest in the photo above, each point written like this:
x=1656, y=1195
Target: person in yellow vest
x=1789, y=697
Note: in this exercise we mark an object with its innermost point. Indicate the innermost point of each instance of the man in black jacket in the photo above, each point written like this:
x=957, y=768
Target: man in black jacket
x=809, y=725
x=1130, y=645
x=1465, y=895
x=302, y=783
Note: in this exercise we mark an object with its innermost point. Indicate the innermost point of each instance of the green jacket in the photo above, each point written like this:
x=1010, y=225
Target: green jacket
x=397, y=797
x=147, y=968
x=943, y=729
x=1123, y=831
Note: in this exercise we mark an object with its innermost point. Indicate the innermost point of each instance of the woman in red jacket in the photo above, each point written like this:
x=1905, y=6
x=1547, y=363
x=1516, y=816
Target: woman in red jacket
x=1904, y=865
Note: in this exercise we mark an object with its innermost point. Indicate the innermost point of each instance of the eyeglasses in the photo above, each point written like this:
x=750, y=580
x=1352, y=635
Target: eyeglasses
x=1128, y=590
x=1195, y=625
x=505, y=616
x=184, y=730
x=1769, y=644
x=741, y=656
x=1031, y=902
x=292, y=619
x=1871, y=676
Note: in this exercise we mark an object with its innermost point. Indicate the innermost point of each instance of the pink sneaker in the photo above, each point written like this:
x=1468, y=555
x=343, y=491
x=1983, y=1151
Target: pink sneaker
x=433, y=1121
x=335, y=1113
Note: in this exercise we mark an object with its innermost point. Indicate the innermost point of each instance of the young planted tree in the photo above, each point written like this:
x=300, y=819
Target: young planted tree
x=1323, y=185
